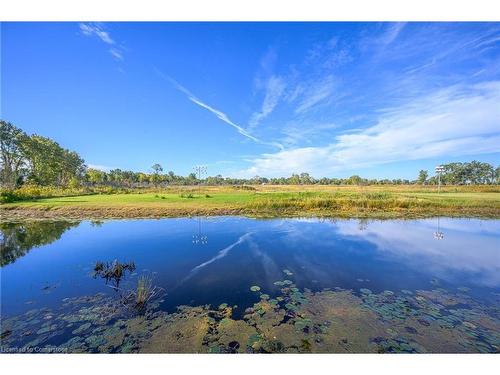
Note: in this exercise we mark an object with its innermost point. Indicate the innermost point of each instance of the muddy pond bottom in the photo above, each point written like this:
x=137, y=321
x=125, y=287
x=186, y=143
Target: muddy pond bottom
x=239, y=285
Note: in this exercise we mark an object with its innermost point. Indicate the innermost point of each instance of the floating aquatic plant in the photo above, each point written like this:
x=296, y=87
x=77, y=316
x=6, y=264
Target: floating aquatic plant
x=113, y=271
x=333, y=320
x=255, y=288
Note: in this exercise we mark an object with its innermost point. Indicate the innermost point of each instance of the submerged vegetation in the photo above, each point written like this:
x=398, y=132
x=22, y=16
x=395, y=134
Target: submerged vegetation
x=290, y=321
x=285, y=311
x=137, y=299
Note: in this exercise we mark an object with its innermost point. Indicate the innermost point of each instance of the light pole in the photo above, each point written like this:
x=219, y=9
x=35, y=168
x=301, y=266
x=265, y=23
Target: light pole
x=439, y=170
x=438, y=235
x=200, y=170
x=200, y=238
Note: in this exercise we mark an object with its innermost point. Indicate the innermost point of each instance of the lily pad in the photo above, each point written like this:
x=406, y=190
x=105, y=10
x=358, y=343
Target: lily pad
x=82, y=328
x=255, y=288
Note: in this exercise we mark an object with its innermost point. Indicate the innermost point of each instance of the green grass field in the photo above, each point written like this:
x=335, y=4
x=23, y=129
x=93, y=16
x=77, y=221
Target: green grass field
x=269, y=201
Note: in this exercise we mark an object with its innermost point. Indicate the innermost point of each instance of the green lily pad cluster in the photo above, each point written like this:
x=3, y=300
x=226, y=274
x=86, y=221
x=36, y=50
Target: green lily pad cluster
x=293, y=320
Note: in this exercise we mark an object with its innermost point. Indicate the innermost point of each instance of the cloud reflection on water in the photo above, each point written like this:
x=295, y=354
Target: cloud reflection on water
x=469, y=245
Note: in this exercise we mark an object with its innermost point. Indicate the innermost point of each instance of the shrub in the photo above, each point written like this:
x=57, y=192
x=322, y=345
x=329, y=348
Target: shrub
x=30, y=192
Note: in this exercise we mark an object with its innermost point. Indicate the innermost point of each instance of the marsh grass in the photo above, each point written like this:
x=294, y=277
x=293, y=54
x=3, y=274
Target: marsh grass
x=145, y=291
x=307, y=200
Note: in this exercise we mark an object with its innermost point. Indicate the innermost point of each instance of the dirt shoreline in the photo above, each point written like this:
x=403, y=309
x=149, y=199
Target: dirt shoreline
x=106, y=213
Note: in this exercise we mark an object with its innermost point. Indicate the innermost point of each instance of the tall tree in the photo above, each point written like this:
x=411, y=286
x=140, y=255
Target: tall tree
x=12, y=159
x=422, y=176
x=157, y=169
x=49, y=163
x=95, y=176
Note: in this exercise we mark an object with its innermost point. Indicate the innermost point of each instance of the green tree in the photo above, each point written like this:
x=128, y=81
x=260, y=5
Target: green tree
x=50, y=164
x=354, y=180
x=422, y=176
x=12, y=159
x=157, y=169
x=95, y=176
x=306, y=179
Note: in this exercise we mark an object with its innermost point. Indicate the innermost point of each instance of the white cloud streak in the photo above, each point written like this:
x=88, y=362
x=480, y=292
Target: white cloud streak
x=219, y=114
x=274, y=90
x=449, y=122
x=98, y=31
x=316, y=93
x=392, y=33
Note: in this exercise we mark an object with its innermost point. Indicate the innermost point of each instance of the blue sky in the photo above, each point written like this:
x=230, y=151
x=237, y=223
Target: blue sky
x=270, y=99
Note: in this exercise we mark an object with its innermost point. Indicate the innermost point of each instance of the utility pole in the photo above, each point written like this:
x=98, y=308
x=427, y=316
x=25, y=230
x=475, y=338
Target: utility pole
x=200, y=238
x=438, y=235
x=439, y=170
x=200, y=170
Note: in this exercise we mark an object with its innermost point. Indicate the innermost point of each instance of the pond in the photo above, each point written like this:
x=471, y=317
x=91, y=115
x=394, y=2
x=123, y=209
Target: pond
x=241, y=285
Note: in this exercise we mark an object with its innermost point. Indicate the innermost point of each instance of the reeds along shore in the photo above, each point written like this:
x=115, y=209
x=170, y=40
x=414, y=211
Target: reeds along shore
x=391, y=201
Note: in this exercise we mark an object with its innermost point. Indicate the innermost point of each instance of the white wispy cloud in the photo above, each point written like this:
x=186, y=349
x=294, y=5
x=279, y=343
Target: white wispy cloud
x=93, y=29
x=392, y=32
x=316, y=92
x=449, y=122
x=219, y=114
x=274, y=90
x=116, y=54
x=306, y=132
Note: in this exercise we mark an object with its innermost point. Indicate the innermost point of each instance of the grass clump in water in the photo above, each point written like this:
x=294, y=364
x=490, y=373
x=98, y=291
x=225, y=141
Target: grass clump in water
x=143, y=294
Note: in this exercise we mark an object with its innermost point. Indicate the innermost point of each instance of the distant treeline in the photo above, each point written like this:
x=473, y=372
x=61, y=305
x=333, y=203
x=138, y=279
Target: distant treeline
x=37, y=160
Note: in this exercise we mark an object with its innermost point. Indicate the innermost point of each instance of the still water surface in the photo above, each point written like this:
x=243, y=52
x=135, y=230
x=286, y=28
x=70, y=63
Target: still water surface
x=400, y=278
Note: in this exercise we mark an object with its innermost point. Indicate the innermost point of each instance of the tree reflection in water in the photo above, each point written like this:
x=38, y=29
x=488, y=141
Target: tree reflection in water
x=17, y=239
